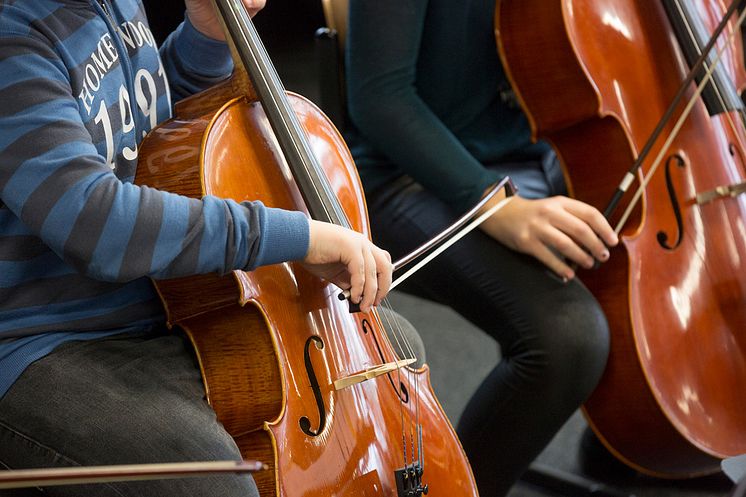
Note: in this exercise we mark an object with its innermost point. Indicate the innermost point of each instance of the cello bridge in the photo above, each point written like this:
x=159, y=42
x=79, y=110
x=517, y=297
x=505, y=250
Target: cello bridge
x=724, y=191
x=371, y=373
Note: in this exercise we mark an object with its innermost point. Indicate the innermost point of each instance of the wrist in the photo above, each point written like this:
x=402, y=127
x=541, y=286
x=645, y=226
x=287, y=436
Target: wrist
x=212, y=30
x=496, y=198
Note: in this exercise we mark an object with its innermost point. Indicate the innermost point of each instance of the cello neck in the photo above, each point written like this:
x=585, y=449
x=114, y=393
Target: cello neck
x=319, y=198
x=720, y=95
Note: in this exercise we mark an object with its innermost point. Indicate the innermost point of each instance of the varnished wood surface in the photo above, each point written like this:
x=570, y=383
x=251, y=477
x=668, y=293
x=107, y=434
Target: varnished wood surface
x=595, y=77
x=251, y=340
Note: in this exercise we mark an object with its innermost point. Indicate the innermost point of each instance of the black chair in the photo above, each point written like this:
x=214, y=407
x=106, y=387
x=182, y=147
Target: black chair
x=740, y=490
x=329, y=47
x=735, y=469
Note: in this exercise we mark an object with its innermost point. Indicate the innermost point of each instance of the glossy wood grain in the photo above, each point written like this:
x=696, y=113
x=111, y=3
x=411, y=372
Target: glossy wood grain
x=595, y=77
x=251, y=330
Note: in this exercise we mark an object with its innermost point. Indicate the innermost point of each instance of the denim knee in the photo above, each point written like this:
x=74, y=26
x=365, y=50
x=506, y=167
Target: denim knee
x=579, y=349
x=565, y=353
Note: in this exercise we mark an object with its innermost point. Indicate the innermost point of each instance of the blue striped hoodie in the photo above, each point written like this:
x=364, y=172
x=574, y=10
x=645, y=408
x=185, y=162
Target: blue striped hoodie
x=81, y=82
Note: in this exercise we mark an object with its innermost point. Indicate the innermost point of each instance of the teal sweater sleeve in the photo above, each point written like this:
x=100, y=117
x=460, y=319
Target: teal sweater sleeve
x=383, y=45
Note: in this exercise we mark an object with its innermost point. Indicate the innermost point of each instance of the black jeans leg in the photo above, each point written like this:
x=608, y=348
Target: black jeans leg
x=553, y=335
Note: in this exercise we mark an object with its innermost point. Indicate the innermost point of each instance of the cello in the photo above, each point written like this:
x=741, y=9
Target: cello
x=671, y=402
x=301, y=383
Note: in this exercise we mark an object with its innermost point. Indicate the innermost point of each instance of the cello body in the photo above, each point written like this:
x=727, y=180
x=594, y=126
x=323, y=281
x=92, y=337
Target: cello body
x=272, y=342
x=594, y=77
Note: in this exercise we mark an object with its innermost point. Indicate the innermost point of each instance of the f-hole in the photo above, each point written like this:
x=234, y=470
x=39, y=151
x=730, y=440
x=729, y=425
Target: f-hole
x=401, y=392
x=662, y=236
x=305, y=423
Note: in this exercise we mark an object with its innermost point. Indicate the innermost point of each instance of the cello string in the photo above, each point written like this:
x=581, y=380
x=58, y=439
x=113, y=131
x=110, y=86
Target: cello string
x=266, y=78
x=402, y=342
x=464, y=231
x=413, y=397
x=679, y=123
x=401, y=403
x=288, y=124
x=715, y=86
x=286, y=120
x=630, y=177
x=399, y=333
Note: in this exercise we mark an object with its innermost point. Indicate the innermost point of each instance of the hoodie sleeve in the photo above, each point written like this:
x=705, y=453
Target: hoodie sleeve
x=53, y=179
x=194, y=62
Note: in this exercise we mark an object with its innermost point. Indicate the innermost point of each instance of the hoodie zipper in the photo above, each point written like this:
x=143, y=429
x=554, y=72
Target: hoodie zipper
x=105, y=8
x=124, y=59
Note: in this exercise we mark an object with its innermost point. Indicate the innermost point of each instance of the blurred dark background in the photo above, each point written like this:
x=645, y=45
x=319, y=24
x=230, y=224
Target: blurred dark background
x=285, y=26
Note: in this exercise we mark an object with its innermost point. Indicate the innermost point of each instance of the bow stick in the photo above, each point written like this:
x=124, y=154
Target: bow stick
x=443, y=237
x=24, y=478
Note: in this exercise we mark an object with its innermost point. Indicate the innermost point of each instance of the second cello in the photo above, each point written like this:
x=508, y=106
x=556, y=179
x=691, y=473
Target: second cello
x=604, y=72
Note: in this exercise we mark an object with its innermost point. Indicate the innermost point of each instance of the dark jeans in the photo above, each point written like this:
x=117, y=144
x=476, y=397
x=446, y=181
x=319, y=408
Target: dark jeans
x=553, y=336
x=126, y=399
